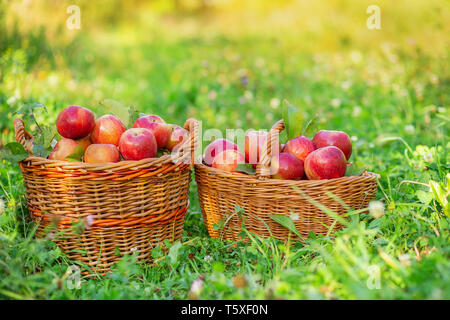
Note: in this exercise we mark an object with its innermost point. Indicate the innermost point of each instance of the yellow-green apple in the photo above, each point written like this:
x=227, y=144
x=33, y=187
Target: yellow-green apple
x=177, y=136
x=63, y=148
x=325, y=163
x=84, y=142
x=75, y=122
x=286, y=166
x=339, y=139
x=216, y=147
x=300, y=147
x=157, y=126
x=137, y=144
x=228, y=160
x=253, y=146
x=107, y=130
x=101, y=153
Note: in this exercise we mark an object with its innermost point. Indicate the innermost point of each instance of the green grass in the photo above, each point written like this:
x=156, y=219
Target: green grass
x=374, y=93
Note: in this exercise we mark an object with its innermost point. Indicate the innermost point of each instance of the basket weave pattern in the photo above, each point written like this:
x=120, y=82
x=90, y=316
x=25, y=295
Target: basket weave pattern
x=121, y=207
x=219, y=192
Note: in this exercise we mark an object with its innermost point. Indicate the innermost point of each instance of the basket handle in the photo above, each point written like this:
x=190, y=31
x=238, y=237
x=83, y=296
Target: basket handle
x=23, y=136
x=186, y=152
x=263, y=166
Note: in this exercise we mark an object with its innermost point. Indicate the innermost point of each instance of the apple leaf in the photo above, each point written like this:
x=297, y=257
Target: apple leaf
x=286, y=222
x=43, y=141
x=76, y=155
x=27, y=110
x=293, y=120
x=245, y=168
x=117, y=108
x=311, y=126
x=355, y=168
x=133, y=115
x=13, y=152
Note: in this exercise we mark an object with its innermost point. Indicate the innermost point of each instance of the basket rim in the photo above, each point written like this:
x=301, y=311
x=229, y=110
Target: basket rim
x=242, y=177
x=182, y=157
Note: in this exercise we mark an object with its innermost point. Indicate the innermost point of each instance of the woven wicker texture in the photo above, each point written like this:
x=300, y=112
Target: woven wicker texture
x=219, y=192
x=121, y=207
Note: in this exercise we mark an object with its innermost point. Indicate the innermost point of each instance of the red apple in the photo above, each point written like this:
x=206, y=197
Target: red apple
x=339, y=139
x=63, y=148
x=254, y=144
x=286, y=166
x=228, y=160
x=157, y=126
x=177, y=136
x=300, y=147
x=75, y=122
x=107, y=130
x=137, y=144
x=216, y=147
x=101, y=153
x=325, y=163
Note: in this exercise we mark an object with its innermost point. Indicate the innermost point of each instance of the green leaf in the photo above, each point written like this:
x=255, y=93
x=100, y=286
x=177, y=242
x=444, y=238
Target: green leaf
x=118, y=109
x=13, y=152
x=286, y=222
x=133, y=115
x=245, y=168
x=293, y=120
x=174, y=251
x=27, y=110
x=76, y=155
x=43, y=141
x=356, y=168
x=311, y=127
x=424, y=197
x=440, y=196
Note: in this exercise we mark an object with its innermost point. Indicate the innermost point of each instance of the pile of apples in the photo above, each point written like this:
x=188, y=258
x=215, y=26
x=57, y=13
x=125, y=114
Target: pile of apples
x=323, y=157
x=107, y=140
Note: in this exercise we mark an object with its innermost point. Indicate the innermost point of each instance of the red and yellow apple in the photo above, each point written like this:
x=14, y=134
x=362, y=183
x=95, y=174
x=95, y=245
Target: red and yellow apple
x=286, y=166
x=63, y=148
x=325, y=163
x=216, y=147
x=228, y=160
x=177, y=136
x=300, y=147
x=137, y=144
x=75, y=122
x=157, y=126
x=339, y=139
x=101, y=153
x=107, y=130
x=254, y=144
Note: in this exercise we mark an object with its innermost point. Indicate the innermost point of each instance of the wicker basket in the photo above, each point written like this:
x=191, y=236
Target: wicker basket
x=121, y=207
x=219, y=192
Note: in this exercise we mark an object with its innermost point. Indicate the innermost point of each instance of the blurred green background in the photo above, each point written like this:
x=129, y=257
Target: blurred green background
x=230, y=64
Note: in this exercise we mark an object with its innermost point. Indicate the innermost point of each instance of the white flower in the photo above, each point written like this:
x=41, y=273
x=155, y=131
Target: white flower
x=208, y=258
x=88, y=221
x=12, y=100
x=196, y=286
x=294, y=216
x=2, y=206
x=336, y=102
x=404, y=259
x=133, y=249
x=248, y=95
x=354, y=138
x=346, y=84
x=376, y=209
x=356, y=111
x=441, y=110
x=428, y=157
x=409, y=129
x=274, y=103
